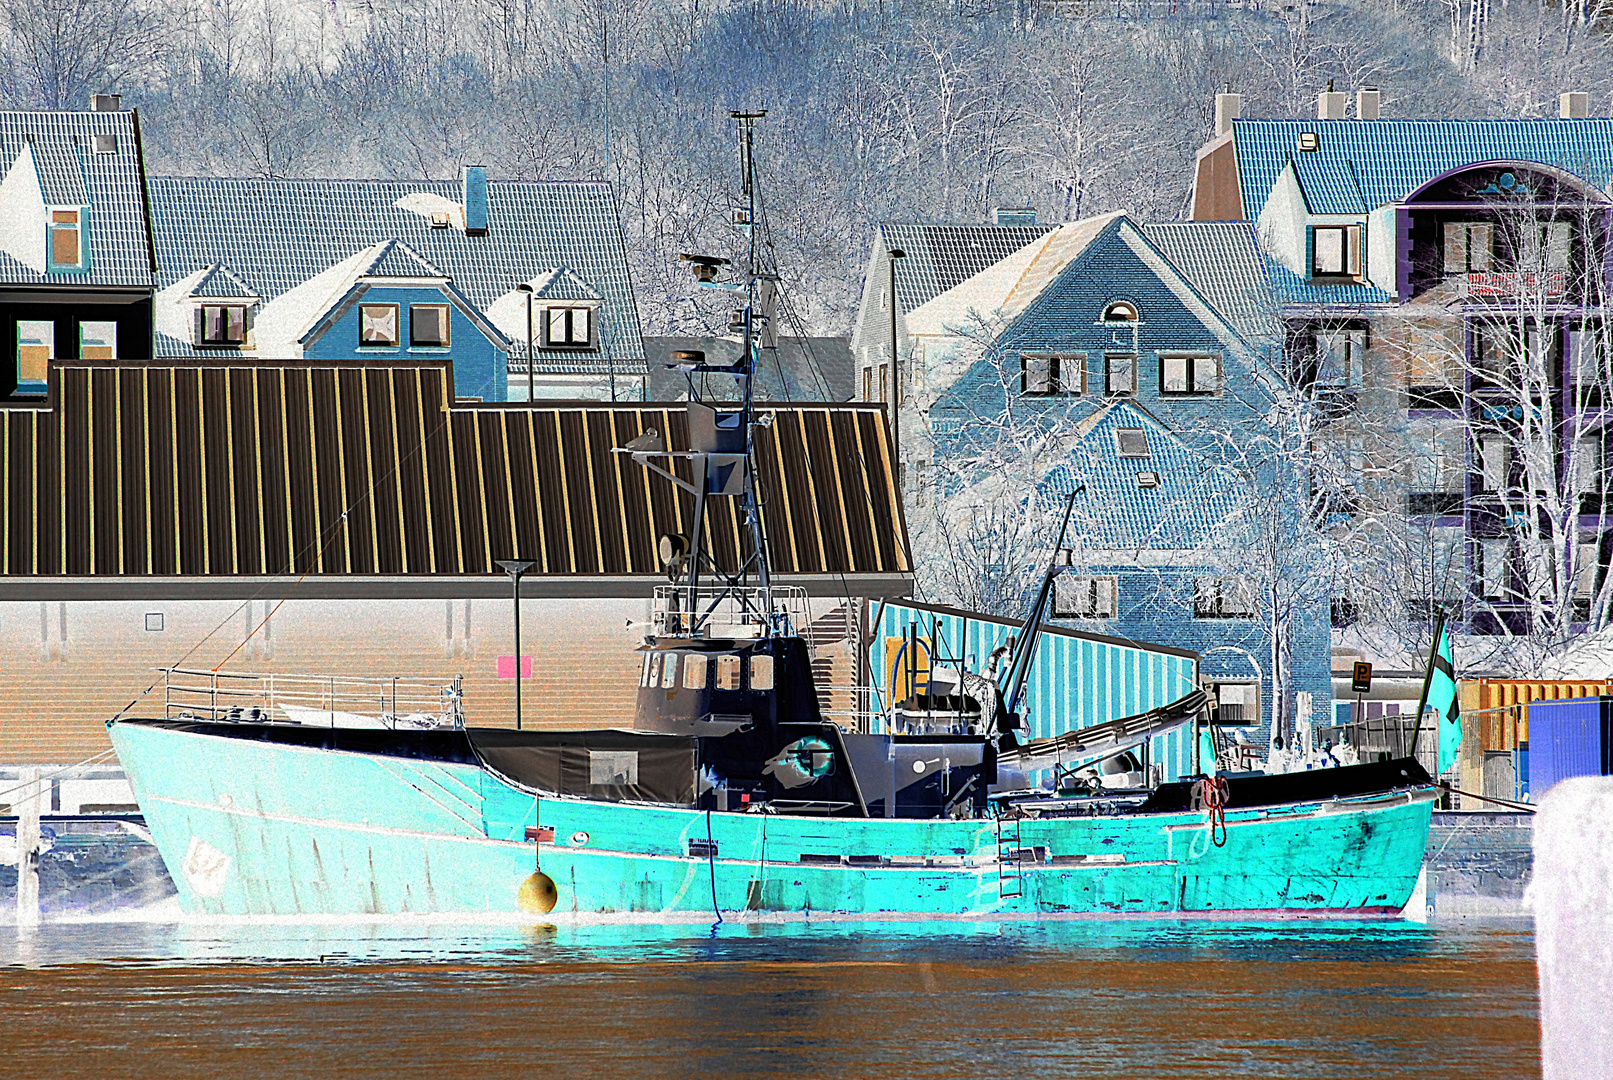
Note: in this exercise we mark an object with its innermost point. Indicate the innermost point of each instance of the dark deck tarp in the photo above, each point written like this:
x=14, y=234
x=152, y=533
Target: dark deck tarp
x=617, y=766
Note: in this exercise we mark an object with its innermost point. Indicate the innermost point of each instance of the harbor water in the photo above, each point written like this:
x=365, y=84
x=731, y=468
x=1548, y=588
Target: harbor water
x=164, y=996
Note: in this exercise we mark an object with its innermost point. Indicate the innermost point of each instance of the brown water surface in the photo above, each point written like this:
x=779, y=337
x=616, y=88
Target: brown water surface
x=791, y=1000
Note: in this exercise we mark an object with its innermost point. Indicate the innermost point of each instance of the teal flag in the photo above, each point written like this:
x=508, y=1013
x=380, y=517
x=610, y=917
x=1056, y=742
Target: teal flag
x=1439, y=696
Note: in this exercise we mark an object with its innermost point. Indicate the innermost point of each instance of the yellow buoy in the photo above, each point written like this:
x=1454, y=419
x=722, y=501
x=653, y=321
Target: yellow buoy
x=538, y=894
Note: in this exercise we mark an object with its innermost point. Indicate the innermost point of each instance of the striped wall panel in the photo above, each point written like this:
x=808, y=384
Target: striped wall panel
x=308, y=469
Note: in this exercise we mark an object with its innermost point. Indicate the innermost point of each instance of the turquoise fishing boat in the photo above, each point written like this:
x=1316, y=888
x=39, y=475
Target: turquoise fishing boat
x=734, y=793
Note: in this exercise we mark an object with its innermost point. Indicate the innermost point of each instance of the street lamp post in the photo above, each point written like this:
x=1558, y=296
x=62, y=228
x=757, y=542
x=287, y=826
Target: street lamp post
x=515, y=568
x=526, y=287
x=895, y=396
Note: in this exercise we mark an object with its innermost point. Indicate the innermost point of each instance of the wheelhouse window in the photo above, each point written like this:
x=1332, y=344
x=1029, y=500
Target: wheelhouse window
x=98, y=341
x=1469, y=247
x=728, y=672
x=36, y=348
x=1120, y=373
x=428, y=326
x=378, y=325
x=1336, y=251
x=66, y=238
x=694, y=672
x=1189, y=374
x=1223, y=598
x=223, y=324
x=761, y=672
x=568, y=328
x=1080, y=597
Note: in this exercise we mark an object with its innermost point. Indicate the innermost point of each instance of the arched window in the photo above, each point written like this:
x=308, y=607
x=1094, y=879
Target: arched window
x=1120, y=311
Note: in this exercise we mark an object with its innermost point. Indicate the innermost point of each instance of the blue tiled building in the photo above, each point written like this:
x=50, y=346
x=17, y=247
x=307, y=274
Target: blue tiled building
x=1136, y=358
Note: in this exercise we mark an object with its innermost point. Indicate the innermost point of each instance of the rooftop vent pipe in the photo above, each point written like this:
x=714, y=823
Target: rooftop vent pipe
x=1228, y=107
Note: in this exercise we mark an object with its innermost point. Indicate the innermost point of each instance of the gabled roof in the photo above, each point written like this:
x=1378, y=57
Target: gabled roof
x=278, y=234
x=218, y=283
x=395, y=259
x=1192, y=499
x=562, y=284
x=1363, y=164
x=940, y=257
x=1003, y=290
x=48, y=158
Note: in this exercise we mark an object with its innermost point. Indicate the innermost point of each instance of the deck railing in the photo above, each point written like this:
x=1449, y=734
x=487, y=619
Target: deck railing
x=320, y=700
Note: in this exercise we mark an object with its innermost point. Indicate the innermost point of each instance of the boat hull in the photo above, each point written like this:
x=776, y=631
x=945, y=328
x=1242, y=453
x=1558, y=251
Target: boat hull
x=261, y=828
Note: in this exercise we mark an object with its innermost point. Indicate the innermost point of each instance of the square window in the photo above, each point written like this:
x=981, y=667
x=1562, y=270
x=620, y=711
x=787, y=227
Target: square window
x=1131, y=442
x=223, y=324
x=154, y=620
x=98, y=341
x=1335, y=250
x=36, y=348
x=1120, y=373
x=1039, y=373
x=568, y=327
x=1224, y=598
x=428, y=325
x=378, y=325
x=1237, y=703
x=105, y=143
x=1206, y=375
x=1079, y=597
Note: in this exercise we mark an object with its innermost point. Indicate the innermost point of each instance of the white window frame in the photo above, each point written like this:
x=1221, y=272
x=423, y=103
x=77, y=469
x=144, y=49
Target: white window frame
x=565, y=317
x=54, y=226
x=447, y=324
x=1086, y=596
x=364, y=319
x=39, y=334
x=1230, y=597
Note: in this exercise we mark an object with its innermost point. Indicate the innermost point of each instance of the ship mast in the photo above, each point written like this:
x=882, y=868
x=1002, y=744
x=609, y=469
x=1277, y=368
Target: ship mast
x=719, y=457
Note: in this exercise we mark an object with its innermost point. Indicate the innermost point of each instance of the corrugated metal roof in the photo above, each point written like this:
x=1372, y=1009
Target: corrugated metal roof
x=1389, y=159
x=343, y=469
x=70, y=173
x=940, y=257
x=277, y=234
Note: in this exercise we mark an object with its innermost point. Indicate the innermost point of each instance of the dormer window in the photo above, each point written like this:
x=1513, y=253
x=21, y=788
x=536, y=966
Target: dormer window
x=378, y=325
x=428, y=326
x=1122, y=311
x=66, y=238
x=569, y=328
x=1336, y=251
x=223, y=324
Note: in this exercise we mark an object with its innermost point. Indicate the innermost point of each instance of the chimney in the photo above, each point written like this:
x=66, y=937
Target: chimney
x=1228, y=107
x=473, y=194
x=106, y=102
x=1574, y=105
x=1014, y=215
x=1367, y=101
x=1330, y=106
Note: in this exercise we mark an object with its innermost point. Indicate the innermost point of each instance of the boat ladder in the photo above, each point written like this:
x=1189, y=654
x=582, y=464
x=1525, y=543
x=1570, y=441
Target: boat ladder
x=1010, y=879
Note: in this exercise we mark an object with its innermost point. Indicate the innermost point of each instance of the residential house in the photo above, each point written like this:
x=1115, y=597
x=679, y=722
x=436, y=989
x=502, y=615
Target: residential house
x=1014, y=375
x=524, y=285
x=1442, y=280
x=76, y=262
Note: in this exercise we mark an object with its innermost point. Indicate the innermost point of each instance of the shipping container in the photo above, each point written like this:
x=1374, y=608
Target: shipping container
x=1569, y=738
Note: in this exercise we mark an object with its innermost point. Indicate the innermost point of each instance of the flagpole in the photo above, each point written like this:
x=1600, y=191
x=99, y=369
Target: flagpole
x=1428, y=677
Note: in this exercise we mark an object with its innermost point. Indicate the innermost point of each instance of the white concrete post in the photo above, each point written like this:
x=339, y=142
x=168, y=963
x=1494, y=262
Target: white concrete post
x=1572, y=897
x=29, y=797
